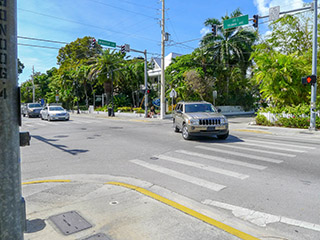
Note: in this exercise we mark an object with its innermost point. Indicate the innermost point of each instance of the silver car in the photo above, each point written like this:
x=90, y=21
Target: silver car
x=199, y=119
x=54, y=113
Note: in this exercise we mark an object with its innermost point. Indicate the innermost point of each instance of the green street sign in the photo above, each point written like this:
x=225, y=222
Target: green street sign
x=106, y=43
x=236, y=22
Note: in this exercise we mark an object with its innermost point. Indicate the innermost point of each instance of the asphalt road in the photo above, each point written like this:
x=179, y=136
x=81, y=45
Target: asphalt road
x=265, y=177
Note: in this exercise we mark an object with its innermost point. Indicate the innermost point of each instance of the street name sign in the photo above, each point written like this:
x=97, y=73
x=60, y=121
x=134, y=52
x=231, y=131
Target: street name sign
x=106, y=43
x=236, y=22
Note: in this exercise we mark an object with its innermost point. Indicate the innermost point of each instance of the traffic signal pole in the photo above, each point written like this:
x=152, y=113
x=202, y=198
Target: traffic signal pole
x=314, y=68
x=11, y=202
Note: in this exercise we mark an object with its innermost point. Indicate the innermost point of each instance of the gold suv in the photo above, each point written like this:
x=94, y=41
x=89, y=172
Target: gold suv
x=199, y=119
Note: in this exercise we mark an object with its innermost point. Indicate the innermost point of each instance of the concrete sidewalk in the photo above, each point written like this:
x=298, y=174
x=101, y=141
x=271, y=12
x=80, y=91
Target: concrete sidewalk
x=90, y=207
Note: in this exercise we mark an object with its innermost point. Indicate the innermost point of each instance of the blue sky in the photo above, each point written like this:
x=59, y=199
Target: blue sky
x=134, y=22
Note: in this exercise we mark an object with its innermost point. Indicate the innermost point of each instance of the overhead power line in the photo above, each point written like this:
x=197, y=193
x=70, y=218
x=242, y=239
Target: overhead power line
x=43, y=40
x=88, y=25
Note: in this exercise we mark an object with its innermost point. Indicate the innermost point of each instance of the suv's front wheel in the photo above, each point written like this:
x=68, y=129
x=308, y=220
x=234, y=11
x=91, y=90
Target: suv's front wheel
x=224, y=136
x=185, y=132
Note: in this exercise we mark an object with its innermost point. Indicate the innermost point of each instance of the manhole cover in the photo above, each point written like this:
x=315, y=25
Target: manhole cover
x=116, y=127
x=99, y=236
x=70, y=222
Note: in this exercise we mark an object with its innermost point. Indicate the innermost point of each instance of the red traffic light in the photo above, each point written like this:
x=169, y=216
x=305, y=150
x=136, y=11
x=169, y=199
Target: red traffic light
x=312, y=79
x=148, y=91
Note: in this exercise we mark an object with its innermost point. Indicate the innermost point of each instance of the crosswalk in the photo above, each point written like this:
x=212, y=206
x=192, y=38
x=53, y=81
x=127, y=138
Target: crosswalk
x=237, y=160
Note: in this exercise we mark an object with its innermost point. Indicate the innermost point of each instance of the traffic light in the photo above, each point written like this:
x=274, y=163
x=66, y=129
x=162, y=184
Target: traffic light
x=214, y=30
x=123, y=49
x=148, y=91
x=93, y=42
x=255, y=21
x=309, y=80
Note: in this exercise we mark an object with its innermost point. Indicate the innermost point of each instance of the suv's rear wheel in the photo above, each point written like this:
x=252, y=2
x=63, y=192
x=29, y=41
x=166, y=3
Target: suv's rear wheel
x=176, y=129
x=185, y=132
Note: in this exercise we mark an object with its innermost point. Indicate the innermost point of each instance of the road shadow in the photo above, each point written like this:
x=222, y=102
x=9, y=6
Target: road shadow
x=59, y=146
x=214, y=139
x=35, y=225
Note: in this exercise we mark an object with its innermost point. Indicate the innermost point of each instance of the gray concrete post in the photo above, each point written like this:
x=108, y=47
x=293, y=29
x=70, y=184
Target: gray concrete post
x=11, y=202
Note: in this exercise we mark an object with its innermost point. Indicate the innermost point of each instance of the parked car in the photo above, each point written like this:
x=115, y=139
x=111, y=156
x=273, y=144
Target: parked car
x=54, y=113
x=31, y=109
x=199, y=119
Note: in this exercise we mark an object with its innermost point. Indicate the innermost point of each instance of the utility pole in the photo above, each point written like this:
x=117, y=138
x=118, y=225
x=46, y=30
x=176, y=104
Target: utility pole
x=163, y=81
x=33, y=88
x=314, y=68
x=145, y=85
x=11, y=203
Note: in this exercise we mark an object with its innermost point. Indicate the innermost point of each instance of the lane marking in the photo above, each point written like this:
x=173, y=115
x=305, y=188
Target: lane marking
x=232, y=145
x=249, y=130
x=46, y=181
x=242, y=155
x=202, y=217
x=204, y=167
x=225, y=160
x=272, y=147
x=194, y=180
x=281, y=144
x=260, y=218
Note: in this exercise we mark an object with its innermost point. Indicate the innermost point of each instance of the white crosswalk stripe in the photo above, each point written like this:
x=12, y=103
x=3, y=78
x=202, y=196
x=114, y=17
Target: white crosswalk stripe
x=221, y=159
x=232, y=145
x=272, y=147
x=280, y=144
x=241, y=154
x=181, y=176
x=204, y=167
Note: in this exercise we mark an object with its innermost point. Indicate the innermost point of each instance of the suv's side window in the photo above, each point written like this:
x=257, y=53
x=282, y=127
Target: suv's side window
x=181, y=107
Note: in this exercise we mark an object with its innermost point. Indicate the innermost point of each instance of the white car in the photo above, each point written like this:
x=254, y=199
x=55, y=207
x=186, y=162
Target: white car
x=54, y=113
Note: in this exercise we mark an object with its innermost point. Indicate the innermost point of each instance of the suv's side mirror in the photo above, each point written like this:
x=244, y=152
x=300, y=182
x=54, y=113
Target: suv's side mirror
x=219, y=110
x=179, y=111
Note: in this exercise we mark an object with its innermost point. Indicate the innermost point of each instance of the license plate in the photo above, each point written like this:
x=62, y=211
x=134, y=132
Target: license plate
x=210, y=128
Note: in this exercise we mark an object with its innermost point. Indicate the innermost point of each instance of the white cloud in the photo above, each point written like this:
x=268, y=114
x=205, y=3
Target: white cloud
x=264, y=5
x=204, y=31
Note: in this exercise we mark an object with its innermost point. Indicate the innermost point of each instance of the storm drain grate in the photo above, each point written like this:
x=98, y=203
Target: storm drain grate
x=70, y=222
x=99, y=236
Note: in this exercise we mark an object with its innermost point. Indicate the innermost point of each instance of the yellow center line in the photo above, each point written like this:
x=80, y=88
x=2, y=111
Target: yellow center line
x=249, y=130
x=46, y=181
x=188, y=211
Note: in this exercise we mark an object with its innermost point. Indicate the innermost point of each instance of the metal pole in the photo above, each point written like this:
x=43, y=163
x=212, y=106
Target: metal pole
x=33, y=88
x=162, y=98
x=11, y=202
x=145, y=84
x=314, y=68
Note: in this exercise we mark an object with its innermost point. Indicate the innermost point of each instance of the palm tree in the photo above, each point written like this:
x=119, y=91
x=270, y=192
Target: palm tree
x=231, y=47
x=105, y=68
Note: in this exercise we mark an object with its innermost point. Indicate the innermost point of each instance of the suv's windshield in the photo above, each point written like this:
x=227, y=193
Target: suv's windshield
x=35, y=105
x=190, y=108
x=56, y=109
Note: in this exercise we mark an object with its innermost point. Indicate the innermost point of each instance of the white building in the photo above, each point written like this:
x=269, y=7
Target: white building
x=154, y=74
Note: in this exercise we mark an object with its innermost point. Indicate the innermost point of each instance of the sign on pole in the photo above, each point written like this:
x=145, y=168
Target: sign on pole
x=274, y=13
x=236, y=22
x=106, y=43
x=173, y=93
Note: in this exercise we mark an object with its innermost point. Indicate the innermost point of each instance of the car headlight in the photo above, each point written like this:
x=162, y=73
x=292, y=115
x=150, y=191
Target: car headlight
x=224, y=120
x=193, y=122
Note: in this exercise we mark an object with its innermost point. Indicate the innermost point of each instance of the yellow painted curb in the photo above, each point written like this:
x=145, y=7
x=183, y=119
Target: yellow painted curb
x=45, y=181
x=254, y=131
x=188, y=211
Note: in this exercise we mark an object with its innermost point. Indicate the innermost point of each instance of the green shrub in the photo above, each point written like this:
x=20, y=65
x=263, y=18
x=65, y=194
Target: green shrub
x=138, y=110
x=262, y=120
x=125, y=109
